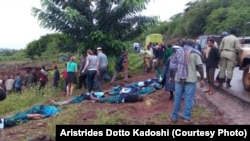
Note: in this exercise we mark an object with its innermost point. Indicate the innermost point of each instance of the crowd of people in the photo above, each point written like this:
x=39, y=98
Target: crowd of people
x=177, y=64
x=182, y=60
x=89, y=72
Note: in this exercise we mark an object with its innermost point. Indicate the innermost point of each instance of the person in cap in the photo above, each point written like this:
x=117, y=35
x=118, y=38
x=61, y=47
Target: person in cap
x=102, y=64
x=224, y=33
x=229, y=48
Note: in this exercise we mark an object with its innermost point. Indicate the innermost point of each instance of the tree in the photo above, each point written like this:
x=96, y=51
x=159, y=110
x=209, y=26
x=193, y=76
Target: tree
x=92, y=23
x=60, y=42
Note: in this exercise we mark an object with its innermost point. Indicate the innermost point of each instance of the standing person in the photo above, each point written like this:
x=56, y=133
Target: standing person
x=186, y=61
x=169, y=51
x=71, y=75
x=9, y=84
x=64, y=76
x=119, y=67
x=56, y=76
x=18, y=83
x=170, y=87
x=211, y=64
x=160, y=55
x=207, y=49
x=229, y=48
x=82, y=76
x=125, y=68
x=43, y=77
x=223, y=34
x=91, y=68
x=34, y=76
x=102, y=64
x=28, y=79
x=197, y=45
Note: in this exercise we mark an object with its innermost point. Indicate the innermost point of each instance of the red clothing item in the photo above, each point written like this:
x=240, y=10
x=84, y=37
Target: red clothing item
x=43, y=77
x=64, y=74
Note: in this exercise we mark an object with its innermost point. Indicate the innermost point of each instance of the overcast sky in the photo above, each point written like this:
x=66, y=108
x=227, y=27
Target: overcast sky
x=18, y=27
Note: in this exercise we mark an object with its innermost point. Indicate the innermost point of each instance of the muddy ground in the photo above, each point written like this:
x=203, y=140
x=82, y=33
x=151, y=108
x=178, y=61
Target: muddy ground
x=153, y=110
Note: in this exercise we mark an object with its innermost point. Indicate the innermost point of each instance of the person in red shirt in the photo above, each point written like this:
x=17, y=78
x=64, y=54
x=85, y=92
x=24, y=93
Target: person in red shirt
x=64, y=75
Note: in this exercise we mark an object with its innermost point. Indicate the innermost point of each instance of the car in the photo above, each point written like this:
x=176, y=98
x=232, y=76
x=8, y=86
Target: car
x=203, y=42
x=243, y=61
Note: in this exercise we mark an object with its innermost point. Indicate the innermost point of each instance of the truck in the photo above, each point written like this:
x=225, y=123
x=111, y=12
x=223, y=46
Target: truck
x=153, y=38
x=244, y=61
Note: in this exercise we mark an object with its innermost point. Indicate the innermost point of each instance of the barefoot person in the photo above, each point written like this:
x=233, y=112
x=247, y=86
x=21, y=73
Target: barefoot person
x=211, y=64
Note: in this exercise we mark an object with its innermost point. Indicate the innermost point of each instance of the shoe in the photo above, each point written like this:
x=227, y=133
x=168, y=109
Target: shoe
x=172, y=120
x=185, y=121
x=181, y=117
x=228, y=86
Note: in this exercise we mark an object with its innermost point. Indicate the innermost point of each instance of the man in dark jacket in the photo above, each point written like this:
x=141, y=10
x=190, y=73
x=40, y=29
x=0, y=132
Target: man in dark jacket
x=56, y=77
x=119, y=67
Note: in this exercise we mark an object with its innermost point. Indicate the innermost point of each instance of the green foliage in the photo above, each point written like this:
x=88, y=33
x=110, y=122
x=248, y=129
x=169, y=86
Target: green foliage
x=12, y=55
x=51, y=43
x=50, y=51
x=16, y=102
x=110, y=24
x=203, y=17
x=135, y=62
x=200, y=112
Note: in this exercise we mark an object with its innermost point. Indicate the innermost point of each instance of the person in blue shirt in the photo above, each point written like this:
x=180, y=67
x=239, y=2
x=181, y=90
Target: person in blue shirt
x=18, y=83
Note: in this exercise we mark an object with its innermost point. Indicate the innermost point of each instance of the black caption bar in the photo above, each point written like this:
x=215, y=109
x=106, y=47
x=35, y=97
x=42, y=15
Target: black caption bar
x=211, y=132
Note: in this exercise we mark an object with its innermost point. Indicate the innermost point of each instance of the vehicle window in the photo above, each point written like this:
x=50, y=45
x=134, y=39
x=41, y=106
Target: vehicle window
x=203, y=43
x=247, y=41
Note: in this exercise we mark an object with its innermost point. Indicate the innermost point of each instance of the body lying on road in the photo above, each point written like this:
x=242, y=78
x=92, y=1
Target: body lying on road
x=36, y=112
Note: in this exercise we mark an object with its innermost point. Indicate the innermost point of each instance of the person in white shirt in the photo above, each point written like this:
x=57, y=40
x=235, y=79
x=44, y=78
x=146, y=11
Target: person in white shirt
x=9, y=84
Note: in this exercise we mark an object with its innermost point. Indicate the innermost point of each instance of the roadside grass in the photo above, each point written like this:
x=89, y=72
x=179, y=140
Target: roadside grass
x=200, y=112
x=16, y=102
x=71, y=114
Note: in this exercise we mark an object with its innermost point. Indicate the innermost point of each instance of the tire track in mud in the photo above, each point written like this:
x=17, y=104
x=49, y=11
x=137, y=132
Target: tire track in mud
x=234, y=110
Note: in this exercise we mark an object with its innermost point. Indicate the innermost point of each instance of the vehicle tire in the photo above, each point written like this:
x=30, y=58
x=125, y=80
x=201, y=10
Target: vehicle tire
x=246, y=78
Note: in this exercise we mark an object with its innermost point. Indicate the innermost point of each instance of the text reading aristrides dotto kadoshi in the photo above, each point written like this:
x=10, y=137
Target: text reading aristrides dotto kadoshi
x=173, y=133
